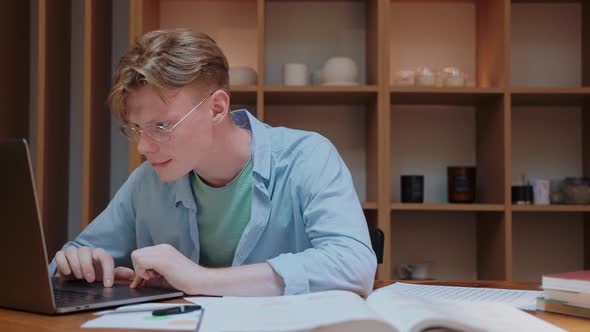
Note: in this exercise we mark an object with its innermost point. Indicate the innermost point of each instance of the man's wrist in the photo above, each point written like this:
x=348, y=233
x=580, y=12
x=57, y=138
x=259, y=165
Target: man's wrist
x=201, y=276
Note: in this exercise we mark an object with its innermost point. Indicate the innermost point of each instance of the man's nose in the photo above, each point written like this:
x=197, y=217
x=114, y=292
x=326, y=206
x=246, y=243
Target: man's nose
x=146, y=144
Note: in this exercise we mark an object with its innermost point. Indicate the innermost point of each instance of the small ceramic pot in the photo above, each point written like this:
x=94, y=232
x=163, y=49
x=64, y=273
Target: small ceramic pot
x=340, y=70
x=242, y=75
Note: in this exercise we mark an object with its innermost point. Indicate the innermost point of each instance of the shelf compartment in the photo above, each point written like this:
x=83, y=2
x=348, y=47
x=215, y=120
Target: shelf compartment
x=426, y=139
x=319, y=95
x=237, y=36
x=547, y=243
x=554, y=30
x=330, y=28
x=548, y=142
x=447, y=207
x=460, y=245
x=442, y=96
x=469, y=35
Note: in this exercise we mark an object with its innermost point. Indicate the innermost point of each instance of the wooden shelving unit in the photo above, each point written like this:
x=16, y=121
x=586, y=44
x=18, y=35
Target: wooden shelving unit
x=518, y=70
x=488, y=103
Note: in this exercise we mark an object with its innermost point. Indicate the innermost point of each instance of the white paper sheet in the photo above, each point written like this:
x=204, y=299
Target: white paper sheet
x=145, y=320
x=521, y=299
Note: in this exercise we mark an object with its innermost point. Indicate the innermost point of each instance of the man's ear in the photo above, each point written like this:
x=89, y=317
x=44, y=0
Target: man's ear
x=219, y=101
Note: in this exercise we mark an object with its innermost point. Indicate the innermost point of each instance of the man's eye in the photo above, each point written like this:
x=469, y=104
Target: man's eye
x=161, y=124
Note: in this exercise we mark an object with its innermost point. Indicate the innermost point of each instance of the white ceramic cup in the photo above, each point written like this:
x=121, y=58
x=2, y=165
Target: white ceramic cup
x=295, y=74
x=541, y=191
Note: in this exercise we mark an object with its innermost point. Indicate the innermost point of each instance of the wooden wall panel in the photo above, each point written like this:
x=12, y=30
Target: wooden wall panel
x=492, y=24
x=144, y=16
x=53, y=119
x=15, y=25
x=586, y=43
x=96, y=118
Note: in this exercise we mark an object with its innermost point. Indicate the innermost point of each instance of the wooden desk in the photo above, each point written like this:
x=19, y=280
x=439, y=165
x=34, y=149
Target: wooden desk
x=11, y=320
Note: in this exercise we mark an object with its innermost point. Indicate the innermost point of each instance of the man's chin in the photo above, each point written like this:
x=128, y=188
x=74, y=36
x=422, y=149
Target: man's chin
x=168, y=176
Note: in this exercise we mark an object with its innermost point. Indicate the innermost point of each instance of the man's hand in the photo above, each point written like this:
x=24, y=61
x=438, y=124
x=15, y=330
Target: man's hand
x=90, y=264
x=164, y=261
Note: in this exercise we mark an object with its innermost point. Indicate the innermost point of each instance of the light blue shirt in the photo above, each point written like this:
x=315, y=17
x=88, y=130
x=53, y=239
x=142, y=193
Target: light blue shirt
x=306, y=219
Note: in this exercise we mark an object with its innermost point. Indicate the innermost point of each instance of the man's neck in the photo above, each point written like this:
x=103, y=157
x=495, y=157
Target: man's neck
x=232, y=152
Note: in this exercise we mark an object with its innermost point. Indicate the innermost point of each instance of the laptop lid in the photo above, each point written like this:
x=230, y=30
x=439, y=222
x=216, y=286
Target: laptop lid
x=25, y=283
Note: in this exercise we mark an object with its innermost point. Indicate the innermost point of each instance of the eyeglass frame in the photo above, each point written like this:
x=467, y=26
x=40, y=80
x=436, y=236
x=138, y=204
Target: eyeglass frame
x=166, y=130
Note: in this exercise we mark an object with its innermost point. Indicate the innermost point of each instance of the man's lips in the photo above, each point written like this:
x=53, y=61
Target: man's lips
x=160, y=164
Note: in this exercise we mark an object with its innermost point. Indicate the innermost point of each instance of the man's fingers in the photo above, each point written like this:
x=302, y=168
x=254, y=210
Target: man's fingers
x=152, y=274
x=137, y=282
x=85, y=257
x=74, y=262
x=63, y=268
x=107, y=264
x=124, y=273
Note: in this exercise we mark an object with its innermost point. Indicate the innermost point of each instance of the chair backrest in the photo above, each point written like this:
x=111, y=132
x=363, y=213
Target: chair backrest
x=377, y=239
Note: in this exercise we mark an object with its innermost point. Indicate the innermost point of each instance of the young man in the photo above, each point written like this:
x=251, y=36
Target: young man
x=224, y=204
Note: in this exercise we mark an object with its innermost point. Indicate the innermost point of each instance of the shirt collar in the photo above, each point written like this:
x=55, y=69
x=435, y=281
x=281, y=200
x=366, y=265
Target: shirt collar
x=261, y=152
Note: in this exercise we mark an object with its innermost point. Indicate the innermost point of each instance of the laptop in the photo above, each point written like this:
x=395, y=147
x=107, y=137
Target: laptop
x=25, y=283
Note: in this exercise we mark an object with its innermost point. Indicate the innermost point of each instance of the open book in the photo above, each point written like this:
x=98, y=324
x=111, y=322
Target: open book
x=386, y=309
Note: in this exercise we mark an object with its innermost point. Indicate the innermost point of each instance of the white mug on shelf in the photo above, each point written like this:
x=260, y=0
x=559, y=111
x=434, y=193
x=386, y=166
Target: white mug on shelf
x=541, y=190
x=295, y=74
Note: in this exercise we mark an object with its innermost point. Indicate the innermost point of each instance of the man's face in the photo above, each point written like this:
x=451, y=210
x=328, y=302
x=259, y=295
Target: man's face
x=188, y=142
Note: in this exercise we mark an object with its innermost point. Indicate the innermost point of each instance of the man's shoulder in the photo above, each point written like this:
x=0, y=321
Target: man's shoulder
x=295, y=143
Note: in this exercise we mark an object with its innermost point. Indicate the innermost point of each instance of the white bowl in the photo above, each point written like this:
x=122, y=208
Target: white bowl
x=340, y=69
x=242, y=75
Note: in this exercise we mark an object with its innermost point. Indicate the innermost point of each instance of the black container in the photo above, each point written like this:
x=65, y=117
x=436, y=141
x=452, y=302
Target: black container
x=412, y=188
x=522, y=195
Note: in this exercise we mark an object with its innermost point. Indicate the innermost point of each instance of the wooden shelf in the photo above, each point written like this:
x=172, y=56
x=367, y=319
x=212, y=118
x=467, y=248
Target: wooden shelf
x=550, y=96
x=243, y=88
x=447, y=207
x=320, y=95
x=551, y=208
x=243, y=94
x=442, y=96
x=369, y=205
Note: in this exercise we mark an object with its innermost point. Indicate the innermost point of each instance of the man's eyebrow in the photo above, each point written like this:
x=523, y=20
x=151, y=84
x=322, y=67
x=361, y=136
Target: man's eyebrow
x=150, y=123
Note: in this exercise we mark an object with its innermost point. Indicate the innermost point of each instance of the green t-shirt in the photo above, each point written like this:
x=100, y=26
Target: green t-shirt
x=222, y=215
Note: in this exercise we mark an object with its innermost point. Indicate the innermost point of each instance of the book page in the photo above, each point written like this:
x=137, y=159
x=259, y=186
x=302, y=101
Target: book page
x=412, y=313
x=521, y=299
x=344, y=311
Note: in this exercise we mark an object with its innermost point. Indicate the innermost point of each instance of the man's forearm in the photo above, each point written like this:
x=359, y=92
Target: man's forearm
x=246, y=280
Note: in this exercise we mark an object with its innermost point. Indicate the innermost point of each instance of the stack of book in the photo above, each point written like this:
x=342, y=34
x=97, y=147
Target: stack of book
x=566, y=293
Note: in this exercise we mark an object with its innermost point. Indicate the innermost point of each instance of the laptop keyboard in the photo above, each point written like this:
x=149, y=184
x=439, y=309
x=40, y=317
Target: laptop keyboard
x=67, y=297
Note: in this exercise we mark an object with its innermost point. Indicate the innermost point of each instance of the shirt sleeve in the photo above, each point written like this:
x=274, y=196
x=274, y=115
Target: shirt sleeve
x=341, y=256
x=114, y=228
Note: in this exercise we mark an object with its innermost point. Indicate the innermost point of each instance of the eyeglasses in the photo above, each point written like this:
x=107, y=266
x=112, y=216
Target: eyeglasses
x=158, y=132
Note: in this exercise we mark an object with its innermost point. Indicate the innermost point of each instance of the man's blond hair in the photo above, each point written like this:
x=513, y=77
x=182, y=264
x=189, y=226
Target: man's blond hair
x=167, y=60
